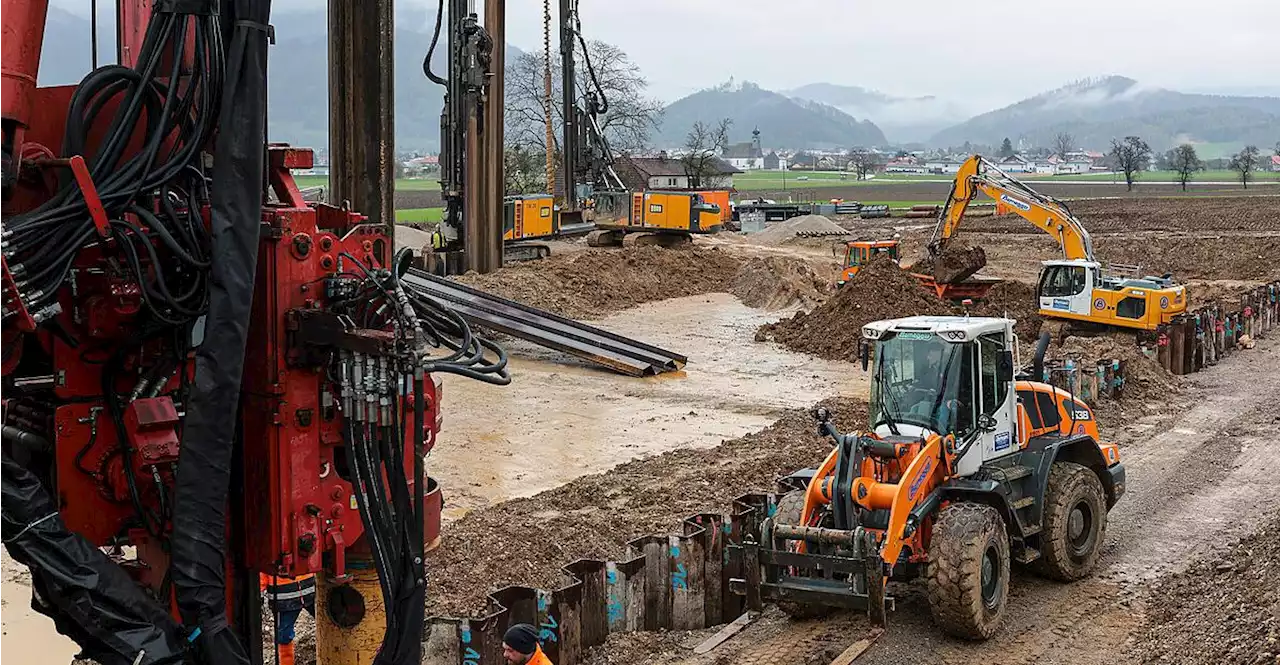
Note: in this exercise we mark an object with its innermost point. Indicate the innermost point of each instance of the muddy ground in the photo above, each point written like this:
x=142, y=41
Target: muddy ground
x=535, y=457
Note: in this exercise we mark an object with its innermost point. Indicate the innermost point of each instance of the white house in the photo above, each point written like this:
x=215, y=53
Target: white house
x=1016, y=164
x=665, y=172
x=746, y=156
x=942, y=166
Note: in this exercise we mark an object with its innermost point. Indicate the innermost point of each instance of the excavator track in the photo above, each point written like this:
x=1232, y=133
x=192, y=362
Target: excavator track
x=523, y=252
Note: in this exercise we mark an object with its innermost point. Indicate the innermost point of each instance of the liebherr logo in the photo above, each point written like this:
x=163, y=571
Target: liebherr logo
x=1020, y=205
x=915, y=484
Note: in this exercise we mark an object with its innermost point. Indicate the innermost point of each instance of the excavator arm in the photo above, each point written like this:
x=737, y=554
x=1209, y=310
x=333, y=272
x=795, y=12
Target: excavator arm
x=1048, y=214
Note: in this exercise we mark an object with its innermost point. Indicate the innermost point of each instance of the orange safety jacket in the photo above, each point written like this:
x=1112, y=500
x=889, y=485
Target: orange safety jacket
x=279, y=587
x=539, y=658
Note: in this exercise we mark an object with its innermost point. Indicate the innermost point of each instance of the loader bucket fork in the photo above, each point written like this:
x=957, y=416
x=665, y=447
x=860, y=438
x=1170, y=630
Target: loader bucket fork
x=848, y=573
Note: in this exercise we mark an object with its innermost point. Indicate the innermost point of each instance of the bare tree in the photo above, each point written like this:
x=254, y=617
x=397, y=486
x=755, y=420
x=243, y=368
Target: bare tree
x=1245, y=162
x=1184, y=162
x=525, y=171
x=1277, y=148
x=864, y=162
x=628, y=122
x=702, y=149
x=1131, y=156
x=1063, y=143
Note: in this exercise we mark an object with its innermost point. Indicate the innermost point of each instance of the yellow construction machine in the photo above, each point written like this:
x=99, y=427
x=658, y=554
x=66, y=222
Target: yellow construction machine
x=656, y=217
x=1074, y=288
x=966, y=468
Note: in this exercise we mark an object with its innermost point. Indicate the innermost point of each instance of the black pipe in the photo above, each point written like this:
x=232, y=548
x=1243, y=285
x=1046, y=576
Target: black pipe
x=1037, y=362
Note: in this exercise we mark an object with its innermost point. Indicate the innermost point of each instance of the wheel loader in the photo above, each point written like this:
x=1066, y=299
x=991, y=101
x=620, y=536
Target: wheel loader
x=965, y=469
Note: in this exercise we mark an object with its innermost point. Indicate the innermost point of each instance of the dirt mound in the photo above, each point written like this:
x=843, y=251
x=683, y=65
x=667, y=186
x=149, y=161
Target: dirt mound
x=1219, y=611
x=784, y=231
x=595, y=282
x=775, y=282
x=1217, y=257
x=526, y=541
x=880, y=290
x=1018, y=301
x=1145, y=379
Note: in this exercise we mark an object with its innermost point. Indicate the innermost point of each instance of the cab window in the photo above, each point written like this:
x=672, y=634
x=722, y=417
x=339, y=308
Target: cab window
x=994, y=391
x=1062, y=281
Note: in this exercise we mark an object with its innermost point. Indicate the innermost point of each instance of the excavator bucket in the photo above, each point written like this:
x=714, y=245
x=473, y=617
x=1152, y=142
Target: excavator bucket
x=813, y=566
x=953, y=263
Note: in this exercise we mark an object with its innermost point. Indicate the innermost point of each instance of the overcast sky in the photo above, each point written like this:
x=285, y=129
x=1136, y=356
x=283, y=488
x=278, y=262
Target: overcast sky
x=977, y=52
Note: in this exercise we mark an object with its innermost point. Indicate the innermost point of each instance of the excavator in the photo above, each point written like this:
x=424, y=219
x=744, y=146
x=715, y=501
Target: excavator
x=1074, y=288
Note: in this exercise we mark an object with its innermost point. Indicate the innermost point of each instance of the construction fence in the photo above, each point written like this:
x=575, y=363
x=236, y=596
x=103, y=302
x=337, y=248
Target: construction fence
x=664, y=582
x=1203, y=337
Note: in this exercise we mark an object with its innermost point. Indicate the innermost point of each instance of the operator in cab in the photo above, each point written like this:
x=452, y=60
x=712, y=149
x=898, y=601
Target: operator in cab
x=520, y=646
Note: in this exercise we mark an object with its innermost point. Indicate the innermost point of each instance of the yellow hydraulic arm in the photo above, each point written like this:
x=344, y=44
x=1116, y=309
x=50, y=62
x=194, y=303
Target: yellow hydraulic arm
x=1050, y=215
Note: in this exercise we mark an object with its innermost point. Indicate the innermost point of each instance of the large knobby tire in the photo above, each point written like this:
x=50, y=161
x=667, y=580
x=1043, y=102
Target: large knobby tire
x=1075, y=523
x=788, y=511
x=968, y=572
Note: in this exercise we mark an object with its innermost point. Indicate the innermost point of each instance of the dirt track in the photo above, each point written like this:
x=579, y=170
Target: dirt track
x=1198, y=480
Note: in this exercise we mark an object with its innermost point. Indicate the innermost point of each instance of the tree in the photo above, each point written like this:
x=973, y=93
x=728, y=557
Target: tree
x=525, y=171
x=1277, y=148
x=1245, y=162
x=1006, y=148
x=864, y=162
x=1184, y=162
x=702, y=149
x=627, y=123
x=1130, y=156
x=1064, y=143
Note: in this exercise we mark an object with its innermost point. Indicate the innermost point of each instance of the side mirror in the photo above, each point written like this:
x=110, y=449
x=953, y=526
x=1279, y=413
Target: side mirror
x=864, y=354
x=986, y=423
x=1004, y=367
x=822, y=415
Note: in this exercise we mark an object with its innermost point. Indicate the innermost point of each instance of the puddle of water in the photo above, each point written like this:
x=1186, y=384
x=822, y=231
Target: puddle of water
x=29, y=637
x=560, y=419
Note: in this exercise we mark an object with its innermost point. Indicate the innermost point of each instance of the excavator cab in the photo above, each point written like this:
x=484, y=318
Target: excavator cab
x=964, y=468
x=859, y=253
x=1080, y=290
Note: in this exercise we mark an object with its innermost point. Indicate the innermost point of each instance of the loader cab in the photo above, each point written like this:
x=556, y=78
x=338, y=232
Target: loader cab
x=861, y=252
x=945, y=375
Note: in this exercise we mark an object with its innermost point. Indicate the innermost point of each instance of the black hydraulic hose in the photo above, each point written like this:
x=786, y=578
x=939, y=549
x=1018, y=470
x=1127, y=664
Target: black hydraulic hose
x=435, y=38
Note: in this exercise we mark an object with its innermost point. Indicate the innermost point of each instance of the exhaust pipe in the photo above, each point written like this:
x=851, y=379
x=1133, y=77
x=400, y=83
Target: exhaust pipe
x=1037, y=361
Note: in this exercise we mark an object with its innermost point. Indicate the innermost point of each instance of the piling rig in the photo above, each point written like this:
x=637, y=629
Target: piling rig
x=205, y=376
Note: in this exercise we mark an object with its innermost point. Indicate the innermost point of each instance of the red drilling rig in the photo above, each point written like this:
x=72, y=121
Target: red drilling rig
x=205, y=376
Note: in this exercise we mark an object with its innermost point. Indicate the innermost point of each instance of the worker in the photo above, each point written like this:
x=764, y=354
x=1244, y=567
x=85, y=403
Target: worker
x=520, y=646
x=286, y=598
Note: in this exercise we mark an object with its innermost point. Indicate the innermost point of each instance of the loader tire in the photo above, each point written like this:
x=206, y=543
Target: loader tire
x=790, y=505
x=1075, y=523
x=968, y=572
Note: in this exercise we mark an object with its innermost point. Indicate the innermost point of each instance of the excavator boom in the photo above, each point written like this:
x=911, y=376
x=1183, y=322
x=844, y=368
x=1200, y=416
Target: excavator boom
x=1050, y=215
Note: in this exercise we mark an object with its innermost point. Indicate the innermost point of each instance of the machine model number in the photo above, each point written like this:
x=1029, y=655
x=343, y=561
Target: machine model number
x=1002, y=441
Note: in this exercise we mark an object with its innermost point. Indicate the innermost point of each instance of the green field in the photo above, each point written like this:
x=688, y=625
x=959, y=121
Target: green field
x=766, y=180
x=420, y=215
x=402, y=184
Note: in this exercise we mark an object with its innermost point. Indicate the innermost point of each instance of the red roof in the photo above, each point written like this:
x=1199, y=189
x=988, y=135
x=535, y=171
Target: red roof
x=1275, y=160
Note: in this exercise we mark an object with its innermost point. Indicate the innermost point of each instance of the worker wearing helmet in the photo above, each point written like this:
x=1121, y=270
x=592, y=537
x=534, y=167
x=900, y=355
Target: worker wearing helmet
x=286, y=598
x=520, y=646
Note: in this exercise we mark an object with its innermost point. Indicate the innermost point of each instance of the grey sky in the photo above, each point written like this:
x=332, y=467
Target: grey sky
x=982, y=53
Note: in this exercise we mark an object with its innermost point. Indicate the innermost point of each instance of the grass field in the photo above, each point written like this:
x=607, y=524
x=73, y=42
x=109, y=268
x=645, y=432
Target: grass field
x=420, y=215
x=403, y=184
x=758, y=180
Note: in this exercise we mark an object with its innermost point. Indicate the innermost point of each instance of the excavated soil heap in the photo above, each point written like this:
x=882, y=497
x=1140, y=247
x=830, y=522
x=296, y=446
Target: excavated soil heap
x=595, y=282
x=880, y=290
x=775, y=282
x=1219, y=611
x=1145, y=379
x=782, y=232
x=1017, y=301
x=526, y=541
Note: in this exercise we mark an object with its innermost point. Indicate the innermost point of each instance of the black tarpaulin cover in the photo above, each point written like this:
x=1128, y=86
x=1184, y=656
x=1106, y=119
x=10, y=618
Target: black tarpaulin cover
x=90, y=598
x=209, y=431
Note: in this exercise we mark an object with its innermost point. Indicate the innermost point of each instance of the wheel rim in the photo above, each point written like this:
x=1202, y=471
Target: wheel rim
x=1080, y=528
x=990, y=577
